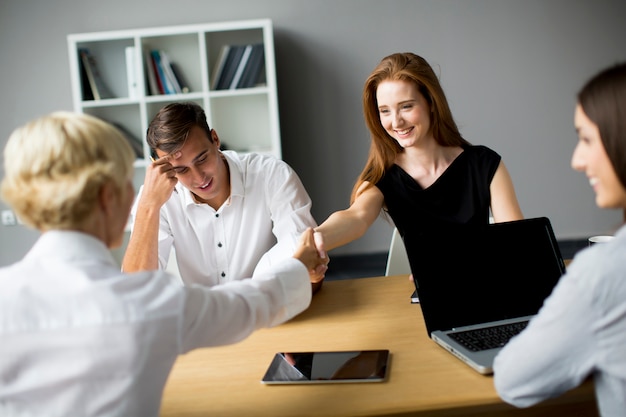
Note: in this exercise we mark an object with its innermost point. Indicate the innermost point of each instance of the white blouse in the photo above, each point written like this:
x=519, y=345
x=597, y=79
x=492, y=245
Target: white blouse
x=79, y=338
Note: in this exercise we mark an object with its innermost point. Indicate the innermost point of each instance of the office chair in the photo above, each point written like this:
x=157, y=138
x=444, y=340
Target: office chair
x=397, y=260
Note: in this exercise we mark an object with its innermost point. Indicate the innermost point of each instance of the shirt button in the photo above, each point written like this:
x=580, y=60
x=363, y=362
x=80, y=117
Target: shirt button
x=219, y=245
x=223, y=274
x=217, y=215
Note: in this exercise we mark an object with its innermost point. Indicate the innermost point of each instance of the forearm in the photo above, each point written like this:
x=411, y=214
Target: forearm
x=532, y=370
x=344, y=226
x=341, y=228
x=228, y=313
x=142, y=252
x=556, y=351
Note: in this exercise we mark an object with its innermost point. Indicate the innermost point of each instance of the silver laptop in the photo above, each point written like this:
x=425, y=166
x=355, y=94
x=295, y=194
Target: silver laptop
x=478, y=287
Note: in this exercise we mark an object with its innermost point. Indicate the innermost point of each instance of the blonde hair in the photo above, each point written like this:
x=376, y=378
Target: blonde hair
x=56, y=165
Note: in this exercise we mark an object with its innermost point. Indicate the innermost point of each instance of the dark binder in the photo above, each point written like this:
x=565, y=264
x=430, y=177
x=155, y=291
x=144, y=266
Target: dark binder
x=253, y=69
x=230, y=66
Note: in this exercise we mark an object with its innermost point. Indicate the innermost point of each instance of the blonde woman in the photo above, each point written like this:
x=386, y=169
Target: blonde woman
x=79, y=337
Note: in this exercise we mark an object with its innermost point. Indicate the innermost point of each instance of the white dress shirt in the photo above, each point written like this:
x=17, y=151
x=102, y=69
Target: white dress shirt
x=257, y=227
x=79, y=338
x=579, y=332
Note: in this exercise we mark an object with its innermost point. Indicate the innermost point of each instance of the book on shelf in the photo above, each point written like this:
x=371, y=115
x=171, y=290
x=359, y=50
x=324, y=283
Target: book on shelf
x=84, y=81
x=240, y=66
x=184, y=85
x=230, y=66
x=164, y=75
x=153, y=84
x=166, y=84
x=169, y=74
x=253, y=68
x=219, y=66
x=157, y=75
x=131, y=72
x=261, y=80
x=99, y=89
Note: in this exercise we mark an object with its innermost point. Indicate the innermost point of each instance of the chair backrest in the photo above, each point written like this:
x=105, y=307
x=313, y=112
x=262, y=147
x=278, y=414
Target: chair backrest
x=397, y=260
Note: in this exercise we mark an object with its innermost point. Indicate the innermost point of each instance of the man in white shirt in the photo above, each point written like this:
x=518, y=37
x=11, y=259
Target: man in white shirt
x=77, y=336
x=227, y=215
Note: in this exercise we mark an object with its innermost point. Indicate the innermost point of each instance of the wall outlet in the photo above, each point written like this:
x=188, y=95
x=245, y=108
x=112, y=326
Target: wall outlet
x=8, y=218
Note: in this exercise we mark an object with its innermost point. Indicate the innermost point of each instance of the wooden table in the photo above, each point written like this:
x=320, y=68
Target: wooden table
x=366, y=313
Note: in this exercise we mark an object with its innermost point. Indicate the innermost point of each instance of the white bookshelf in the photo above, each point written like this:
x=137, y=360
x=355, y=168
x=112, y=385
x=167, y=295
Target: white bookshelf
x=246, y=119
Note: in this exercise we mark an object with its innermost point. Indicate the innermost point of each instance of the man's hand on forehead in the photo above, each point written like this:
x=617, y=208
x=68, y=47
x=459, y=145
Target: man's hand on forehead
x=166, y=158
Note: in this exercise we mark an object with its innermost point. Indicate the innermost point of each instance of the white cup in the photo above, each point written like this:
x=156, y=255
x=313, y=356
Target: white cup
x=599, y=239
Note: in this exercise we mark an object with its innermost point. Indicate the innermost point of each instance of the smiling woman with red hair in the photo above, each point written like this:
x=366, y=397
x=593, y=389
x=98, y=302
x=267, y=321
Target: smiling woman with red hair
x=420, y=169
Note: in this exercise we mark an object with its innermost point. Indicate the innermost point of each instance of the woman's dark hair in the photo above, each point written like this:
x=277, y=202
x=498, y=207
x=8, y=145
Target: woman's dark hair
x=603, y=99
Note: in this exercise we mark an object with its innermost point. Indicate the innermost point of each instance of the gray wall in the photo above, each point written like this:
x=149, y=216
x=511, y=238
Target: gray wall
x=510, y=69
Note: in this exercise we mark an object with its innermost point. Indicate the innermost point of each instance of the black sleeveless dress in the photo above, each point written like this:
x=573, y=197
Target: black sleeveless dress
x=457, y=202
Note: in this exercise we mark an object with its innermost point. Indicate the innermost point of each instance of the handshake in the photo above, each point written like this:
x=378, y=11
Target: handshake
x=311, y=253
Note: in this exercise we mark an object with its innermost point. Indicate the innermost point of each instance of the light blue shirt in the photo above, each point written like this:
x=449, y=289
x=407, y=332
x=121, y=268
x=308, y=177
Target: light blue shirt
x=80, y=338
x=579, y=332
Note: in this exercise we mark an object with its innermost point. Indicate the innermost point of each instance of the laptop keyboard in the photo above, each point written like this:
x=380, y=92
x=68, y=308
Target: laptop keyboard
x=489, y=337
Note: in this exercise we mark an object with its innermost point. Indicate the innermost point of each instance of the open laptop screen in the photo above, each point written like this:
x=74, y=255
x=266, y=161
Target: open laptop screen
x=478, y=275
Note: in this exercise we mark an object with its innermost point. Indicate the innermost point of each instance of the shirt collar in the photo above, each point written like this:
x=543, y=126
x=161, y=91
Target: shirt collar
x=71, y=245
x=236, y=174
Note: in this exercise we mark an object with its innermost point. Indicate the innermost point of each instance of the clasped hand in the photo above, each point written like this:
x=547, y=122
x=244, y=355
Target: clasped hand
x=308, y=252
